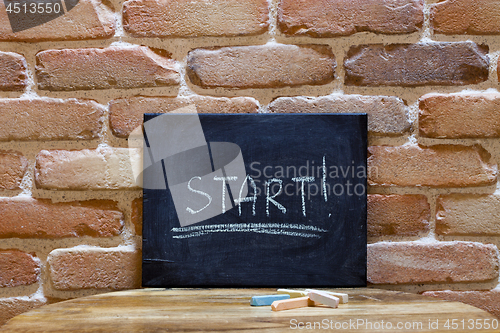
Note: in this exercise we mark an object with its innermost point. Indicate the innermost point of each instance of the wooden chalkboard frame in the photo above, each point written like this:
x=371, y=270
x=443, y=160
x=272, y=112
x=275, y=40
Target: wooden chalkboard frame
x=262, y=259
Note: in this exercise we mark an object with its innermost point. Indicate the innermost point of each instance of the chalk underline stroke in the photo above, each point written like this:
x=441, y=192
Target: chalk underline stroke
x=293, y=230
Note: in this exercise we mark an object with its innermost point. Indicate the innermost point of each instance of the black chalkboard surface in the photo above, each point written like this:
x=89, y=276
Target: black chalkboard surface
x=282, y=199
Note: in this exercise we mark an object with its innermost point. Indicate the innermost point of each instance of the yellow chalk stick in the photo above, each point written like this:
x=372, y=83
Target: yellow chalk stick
x=293, y=293
x=294, y=303
x=344, y=298
x=324, y=298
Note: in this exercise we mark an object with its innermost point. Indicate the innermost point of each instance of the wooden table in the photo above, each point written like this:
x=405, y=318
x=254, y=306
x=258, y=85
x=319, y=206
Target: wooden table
x=229, y=310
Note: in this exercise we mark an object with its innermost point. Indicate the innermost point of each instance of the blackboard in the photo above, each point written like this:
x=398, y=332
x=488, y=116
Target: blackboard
x=306, y=226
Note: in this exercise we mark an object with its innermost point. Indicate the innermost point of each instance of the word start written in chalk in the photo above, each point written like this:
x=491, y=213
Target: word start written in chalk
x=280, y=181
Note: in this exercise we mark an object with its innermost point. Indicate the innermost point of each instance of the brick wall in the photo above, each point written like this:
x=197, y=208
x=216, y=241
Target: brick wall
x=73, y=89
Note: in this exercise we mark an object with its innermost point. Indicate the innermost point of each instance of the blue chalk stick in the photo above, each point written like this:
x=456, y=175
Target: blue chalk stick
x=267, y=299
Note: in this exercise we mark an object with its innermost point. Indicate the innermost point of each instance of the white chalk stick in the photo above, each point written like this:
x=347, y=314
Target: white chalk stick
x=293, y=293
x=344, y=298
x=324, y=298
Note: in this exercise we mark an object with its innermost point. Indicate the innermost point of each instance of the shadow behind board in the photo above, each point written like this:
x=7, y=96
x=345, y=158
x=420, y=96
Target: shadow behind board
x=326, y=247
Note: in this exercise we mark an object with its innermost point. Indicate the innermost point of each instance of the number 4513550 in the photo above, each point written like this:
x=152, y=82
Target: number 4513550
x=34, y=8
x=471, y=324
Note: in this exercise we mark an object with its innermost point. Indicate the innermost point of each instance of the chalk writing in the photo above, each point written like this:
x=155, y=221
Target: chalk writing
x=294, y=230
x=199, y=192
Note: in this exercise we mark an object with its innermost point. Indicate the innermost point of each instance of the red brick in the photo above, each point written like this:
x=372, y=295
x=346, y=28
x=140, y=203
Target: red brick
x=89, y=19
x=435, y=166
x=471, y=17
x=18, y=268
x=401, y=215
x=50, y=119
x=13, y=306
x=13, y=166
x=330, y=18
x=386, y=115
x=463, y=214
x=488, y=300
x=127, y=113
x=410, y=65
x=137, y=215
x=31, y=218
x=13, y=75
x=196, y=18
x=498, y=70
x=112, y=67
x=261, y=66
x=440, y=262
x=471, y=115
x=82, y=268
x=103, y=168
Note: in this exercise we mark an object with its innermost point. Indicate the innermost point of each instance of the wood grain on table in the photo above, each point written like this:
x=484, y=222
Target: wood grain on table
x=229, y=310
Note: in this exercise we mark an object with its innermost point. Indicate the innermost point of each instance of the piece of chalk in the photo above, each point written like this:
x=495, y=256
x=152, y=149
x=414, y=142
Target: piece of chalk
x=324, y=298
x=267, y=299
x=344, y=298
x=293, y=293
x=294, y=303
